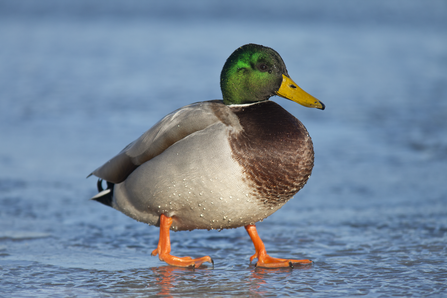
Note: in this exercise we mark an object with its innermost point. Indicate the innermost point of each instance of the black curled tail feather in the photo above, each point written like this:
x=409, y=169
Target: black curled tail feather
x=104, y=196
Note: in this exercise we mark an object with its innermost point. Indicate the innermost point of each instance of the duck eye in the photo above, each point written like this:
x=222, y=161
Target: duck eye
x=263, y=67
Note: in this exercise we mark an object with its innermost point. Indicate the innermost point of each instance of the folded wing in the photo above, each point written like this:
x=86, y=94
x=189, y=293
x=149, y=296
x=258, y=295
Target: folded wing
x=172, y=128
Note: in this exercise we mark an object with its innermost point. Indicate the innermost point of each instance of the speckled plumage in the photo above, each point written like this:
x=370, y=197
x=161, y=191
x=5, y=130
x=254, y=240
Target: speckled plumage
x=225, y=167
x=275, y=151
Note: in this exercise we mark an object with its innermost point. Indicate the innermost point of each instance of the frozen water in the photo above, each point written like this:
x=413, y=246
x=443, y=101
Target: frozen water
x=80, y=80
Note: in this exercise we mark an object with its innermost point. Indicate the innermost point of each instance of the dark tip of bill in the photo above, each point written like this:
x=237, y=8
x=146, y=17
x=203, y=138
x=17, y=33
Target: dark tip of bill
x=322, y=106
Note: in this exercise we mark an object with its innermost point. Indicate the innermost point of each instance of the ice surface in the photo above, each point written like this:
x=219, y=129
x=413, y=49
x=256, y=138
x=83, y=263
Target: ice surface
x=80, y=80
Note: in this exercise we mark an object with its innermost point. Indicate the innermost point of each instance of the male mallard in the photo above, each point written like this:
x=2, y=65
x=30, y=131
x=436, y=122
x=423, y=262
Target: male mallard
x=218, y=164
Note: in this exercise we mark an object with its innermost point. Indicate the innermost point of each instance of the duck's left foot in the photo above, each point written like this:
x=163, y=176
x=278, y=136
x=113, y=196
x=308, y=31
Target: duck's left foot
x=163, y=249
x=269, y=262
x=266, y=261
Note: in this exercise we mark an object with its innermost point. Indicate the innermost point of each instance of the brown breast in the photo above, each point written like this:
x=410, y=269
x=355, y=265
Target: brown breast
x=275, y=150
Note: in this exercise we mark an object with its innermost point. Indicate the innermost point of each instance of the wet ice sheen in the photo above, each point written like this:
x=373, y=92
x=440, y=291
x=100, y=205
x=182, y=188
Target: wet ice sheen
x=75, y=88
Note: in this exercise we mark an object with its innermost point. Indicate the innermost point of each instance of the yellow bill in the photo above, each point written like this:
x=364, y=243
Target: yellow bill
x=290, y=90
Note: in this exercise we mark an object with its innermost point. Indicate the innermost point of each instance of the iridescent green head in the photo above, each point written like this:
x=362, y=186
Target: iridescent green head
x=255, y=73
x=252, y=73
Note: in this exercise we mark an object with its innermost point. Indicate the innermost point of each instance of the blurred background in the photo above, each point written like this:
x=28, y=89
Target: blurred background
x=79, y=80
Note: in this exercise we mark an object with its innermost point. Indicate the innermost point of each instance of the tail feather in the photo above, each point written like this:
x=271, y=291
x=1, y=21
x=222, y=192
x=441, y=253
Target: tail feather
x=105, y=196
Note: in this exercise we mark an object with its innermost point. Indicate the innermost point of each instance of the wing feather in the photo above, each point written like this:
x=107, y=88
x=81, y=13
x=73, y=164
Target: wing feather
x=169, y=130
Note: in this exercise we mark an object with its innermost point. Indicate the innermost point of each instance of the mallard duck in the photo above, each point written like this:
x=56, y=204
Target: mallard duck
x=218, y=164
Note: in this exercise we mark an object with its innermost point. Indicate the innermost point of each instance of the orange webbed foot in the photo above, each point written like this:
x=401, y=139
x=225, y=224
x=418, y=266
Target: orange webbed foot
x=271, y=262
x=266, y=261
x=182, y=261
x=164, y=248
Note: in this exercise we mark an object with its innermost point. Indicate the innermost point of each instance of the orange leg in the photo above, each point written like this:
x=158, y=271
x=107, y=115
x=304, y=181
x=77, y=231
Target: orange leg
x=164, y=248
x=264, y=260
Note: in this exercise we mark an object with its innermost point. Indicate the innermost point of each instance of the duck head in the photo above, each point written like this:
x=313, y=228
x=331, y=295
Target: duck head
x=255, y=73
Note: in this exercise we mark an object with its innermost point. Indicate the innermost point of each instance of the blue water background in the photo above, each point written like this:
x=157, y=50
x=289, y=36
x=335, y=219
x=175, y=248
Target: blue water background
x=79, y=80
